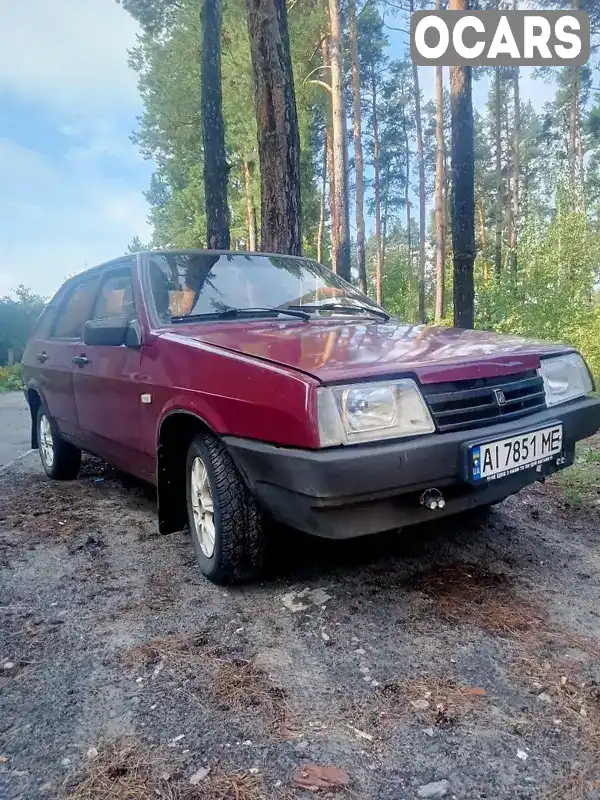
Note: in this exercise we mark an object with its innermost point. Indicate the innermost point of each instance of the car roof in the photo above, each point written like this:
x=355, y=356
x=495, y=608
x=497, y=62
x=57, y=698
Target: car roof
x=199, y=251
x=170, y=251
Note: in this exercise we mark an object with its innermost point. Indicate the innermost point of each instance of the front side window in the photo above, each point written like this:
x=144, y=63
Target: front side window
x=75, y=310
x=201, y=284
x=115, y=298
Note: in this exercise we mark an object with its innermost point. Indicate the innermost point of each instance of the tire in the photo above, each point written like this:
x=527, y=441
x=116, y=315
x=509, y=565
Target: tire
x=238, y=543
x=60, y=460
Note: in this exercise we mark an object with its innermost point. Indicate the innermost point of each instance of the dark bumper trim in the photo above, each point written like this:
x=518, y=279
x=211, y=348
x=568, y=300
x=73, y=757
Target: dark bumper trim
x=350, y=491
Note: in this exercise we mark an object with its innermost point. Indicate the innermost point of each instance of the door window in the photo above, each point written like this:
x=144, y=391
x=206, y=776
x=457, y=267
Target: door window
x=75, y=310
x=115, y=298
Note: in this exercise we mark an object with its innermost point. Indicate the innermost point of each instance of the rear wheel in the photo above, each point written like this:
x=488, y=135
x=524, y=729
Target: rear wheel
x=60, y=459
x=225, y=522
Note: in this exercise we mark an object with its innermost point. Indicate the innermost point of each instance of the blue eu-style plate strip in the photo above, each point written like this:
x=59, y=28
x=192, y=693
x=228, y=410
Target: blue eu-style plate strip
x=476, y=466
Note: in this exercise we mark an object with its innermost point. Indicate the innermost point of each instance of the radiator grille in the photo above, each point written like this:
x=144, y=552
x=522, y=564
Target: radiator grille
x=484, y=401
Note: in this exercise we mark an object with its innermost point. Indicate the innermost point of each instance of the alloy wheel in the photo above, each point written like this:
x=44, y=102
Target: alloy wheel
x=202, y=507
x=46, y=441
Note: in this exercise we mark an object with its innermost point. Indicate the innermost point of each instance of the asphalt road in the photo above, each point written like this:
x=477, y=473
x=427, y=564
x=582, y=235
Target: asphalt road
x=15, y=427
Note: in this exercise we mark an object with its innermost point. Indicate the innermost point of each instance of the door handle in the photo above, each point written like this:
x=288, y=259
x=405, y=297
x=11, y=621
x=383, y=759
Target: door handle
x=41, y=357
x=81, y=361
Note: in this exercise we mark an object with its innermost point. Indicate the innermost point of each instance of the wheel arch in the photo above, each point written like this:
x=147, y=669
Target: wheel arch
x=34, y=401
x=175, y=432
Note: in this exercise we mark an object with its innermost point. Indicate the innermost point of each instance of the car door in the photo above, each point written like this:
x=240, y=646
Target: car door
x=51, y=351
x=106, y=380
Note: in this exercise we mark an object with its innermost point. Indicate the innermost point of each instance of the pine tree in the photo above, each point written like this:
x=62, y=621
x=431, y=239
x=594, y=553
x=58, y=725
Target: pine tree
x=278, y=134
x=216, y=168
x=463, y=199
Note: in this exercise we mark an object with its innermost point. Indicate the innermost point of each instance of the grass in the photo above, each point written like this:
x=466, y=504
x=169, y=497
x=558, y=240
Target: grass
x=581, y=482
x=434, y=699
x=121, y=769
x=468, y=594
x=175, y=652
x=575, y=709
x=236, y=684
x=127, y=770
x=10, y=378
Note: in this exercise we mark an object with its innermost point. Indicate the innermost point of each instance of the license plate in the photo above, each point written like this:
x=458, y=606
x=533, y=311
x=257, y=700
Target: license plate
x=502, y=457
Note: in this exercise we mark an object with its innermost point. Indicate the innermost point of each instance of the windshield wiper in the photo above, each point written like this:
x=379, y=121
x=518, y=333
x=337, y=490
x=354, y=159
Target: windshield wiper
x=377, y=312
x=235, y=313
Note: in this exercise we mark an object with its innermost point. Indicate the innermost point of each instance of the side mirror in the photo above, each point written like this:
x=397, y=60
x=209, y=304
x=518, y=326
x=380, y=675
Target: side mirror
x=112, y=332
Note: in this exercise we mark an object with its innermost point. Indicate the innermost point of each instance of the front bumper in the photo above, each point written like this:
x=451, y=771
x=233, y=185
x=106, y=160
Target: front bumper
x=344, y=492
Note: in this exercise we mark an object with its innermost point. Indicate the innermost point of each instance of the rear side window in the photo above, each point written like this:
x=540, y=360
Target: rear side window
x=75, y=310
x=115, y=298
x=44, y=323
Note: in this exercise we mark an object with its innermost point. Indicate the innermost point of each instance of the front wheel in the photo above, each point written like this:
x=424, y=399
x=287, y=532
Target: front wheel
x=225, y=521
x=60, y=459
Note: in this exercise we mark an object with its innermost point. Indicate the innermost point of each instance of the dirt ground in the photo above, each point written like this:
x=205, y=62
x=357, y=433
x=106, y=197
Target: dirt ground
x=458, y=660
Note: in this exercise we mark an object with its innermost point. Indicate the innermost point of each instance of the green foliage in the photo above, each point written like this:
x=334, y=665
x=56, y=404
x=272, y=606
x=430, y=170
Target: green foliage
x=167, y=60
x=10, y=378
x=581, y=482
x=136, y=245
x=18, y=315
x=552, y=295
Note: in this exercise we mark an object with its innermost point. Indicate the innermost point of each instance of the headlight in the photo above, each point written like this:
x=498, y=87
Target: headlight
x=364, y=412
x=565, y=378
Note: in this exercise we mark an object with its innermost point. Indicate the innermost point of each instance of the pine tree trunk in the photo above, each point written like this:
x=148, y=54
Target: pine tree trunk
x=498, y=157
x=483, y=238
x=573, y=106
x=422, y=222
x=278, y=134
x=407, y=205
x=516, y=179
x=421, y=164
x=340, y=145
x=332, y=205
x=580, y=153
x=440, y=217
x=509, y=197
x=463, y=185
x=321, y=232
x=358, y=151
x=216, y=168
x=377, y=190
x=250, y=209
x=573, y=115
x=329, y=145
x=384, y=224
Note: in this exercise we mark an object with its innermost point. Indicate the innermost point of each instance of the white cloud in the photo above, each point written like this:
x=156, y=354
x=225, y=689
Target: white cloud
x=68, y=53
x=56, y=218
x=62, y=210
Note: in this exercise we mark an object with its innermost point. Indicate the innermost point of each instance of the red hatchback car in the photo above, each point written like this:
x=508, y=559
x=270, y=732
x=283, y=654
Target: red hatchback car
x=251, y=385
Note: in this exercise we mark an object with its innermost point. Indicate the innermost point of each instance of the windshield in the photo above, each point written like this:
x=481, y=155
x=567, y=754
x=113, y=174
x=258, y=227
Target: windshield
x=192, y=284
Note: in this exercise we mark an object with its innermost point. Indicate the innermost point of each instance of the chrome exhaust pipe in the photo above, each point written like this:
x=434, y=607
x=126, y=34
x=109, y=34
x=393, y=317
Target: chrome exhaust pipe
x=432, y=499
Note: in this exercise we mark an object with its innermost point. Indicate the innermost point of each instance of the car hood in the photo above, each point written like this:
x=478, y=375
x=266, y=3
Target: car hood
x=338, y=351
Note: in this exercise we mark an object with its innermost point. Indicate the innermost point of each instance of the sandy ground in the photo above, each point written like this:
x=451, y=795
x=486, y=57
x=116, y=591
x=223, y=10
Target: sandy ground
x=459, y=660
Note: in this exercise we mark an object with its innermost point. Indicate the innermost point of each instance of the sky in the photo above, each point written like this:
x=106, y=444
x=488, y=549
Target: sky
x=71, y=181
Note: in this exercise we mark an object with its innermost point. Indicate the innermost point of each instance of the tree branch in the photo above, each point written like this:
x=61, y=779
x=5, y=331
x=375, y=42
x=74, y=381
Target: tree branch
x=404, y=9
x=316, y=69
x=323, y=84
x=364, y=8
x=392, y=27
